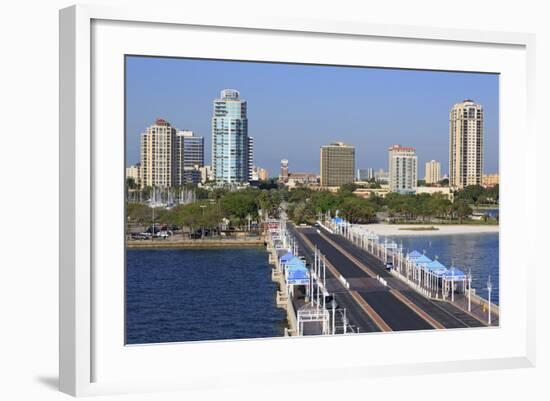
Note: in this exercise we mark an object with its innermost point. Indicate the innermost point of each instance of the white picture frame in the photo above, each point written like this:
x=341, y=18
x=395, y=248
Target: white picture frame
x=88, y=366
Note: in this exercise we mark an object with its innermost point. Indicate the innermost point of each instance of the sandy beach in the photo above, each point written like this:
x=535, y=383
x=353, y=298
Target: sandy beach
x=423, y=229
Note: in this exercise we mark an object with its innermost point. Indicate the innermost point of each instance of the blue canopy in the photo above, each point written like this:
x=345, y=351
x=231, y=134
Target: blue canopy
x=422, y=259
x=286, y=257
x=454, y=274
x=294, y=261
x=338, y=220
x=298, y=276
x=436, y=267
x=414, y=254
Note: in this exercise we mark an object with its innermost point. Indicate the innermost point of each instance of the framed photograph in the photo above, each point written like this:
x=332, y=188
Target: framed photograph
x=237, y=195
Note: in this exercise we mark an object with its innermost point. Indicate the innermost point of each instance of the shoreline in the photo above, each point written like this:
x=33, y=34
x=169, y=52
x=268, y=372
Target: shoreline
x=194, y=244
x=441, y=229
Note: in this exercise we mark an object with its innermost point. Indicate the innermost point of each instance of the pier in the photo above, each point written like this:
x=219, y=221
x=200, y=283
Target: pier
x=334, y=279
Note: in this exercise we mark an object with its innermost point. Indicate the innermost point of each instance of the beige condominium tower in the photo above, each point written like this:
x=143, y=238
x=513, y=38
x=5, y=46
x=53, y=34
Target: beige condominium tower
x=337, y=164
x=465, y=144
x=433, y=172
x=158, y=151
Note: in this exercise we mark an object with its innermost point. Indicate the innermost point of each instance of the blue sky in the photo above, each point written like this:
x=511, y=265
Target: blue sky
x=293, y=109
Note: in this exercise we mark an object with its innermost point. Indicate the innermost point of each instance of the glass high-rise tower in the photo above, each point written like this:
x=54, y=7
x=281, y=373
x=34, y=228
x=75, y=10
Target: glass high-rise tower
x=231, y=146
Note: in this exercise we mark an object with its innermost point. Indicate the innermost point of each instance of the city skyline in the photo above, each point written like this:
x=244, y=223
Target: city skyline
x=296, y=107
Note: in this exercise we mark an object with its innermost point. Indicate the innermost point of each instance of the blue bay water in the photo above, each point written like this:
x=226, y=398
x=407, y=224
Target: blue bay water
x=480, y=252
x=209, y=294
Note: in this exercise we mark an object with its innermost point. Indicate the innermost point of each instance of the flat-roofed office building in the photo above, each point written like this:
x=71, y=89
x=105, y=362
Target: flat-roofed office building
x=337, y=164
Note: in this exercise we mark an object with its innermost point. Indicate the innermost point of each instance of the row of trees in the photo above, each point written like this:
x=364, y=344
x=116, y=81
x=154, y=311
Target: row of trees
x=305, y=204
x=237, y=208
x=478, y=195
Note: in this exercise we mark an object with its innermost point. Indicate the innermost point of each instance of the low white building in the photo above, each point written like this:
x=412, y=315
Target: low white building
x=446, y=191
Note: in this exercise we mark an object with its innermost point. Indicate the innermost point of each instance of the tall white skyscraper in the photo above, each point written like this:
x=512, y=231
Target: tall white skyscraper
x=433, y=172
x=466, y=144
x=231, y=147
x=403, y=169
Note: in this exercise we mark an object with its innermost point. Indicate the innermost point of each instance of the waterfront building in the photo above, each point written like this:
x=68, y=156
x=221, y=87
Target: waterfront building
x=134, y=172
x=337, y=164
x=403, y=173
x=192, y=148
x=158, y=155
x=283, y=175
x=465, y=144
x=189, y=157
x=490, y=180
x=433, y=172
x=231, y=146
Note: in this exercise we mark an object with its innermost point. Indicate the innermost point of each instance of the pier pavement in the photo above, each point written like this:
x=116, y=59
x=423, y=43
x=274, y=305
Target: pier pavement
x=391, y=306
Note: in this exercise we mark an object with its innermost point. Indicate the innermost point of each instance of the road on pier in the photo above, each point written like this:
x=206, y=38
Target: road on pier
x=395, y=307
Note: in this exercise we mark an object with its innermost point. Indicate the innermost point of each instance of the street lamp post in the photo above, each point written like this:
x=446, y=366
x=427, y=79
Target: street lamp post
x=489, y=288
x=469, y=290
x=202, y=231
x=452, y=284
x=345, y=322
x=333, y=304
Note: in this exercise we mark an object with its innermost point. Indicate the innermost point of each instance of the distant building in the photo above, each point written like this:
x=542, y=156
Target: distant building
x=206, y=174
x=283, y=175
x=259, y=174
x=231, y=146
x=158, y=155
x=192, y=149
x=382, y=176
x=362, y=175
x=445, y=191
x=250, y=157
x=433, y=172
x=403, y=174
x=191, y=176
x=370, y=173
x=134, y=172
x=302, y=179
x=371, y=192
x=337, y=164
x=465, y=144
x=189, y=155
x=490, y=180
